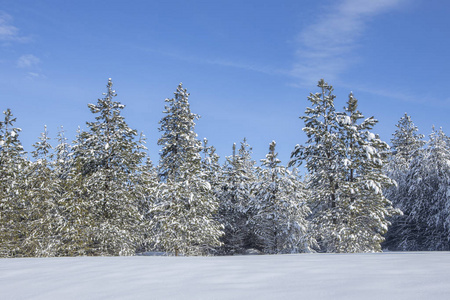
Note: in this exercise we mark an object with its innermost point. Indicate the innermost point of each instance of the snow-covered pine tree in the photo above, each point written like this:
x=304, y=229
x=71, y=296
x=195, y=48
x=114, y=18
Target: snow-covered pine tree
x=321, y=158
x=74, y=202
x=425, y=198
x=44, y=213
x=345, y=161
x=280, y=208
x=62, y=159
x=211, y=168
x=181, y=149
x=360, y=217
x=239, y=175
x=251, y=176
x=183, y=214
x=213, y=174
x=102, y=203
x=146, y=188
x=407, y=144
x=67, y=213
x=13, y=205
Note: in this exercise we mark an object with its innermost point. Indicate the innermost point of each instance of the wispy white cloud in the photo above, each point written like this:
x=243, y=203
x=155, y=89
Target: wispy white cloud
x=27, y=61
x=9, y=32
x=326, y=48
x=217, y=61
x=244, y=66
x=35, y=76
x=407, y=97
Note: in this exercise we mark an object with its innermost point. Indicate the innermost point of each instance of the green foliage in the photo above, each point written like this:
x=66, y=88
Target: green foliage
x=102, y=207
x=279, y=201
x=407, y=145
x=239, y=175
x=345, y=162
x=183, y=213
x=424, y=195
x=103, y=196
x=13, y=201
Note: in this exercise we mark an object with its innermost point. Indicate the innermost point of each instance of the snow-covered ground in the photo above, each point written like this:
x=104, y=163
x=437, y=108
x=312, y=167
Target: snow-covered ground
x=303, y=276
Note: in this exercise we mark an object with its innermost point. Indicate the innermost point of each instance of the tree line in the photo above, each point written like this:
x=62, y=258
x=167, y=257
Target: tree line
x=101, y=194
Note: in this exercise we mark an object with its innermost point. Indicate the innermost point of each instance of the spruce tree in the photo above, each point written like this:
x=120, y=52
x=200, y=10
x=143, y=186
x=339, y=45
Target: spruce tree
x=424, y=197
x=212, y=173
x=321, y=158
x=211, y=168
x=362, y=211
x=405, y=142
x=146, y=188
x=183, y=214
x=239, y=176
x=406, y=145
x=320, y=153
x=102, y=203
x=44, y=215
x=280, y=207
x=62, y=158
x=344, y=160
x=181, y=149
x=14, y=207
x=67, y=214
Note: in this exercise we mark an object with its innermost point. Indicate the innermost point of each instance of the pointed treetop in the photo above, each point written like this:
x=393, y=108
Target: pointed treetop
x=352, y=102
x=405, y=139
x=271, y=161
x=110, y=90
x=181, y=93
x=42, y=147
x=324, y=84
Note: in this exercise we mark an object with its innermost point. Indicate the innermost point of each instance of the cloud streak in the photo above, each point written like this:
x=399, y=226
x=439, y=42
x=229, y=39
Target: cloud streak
x=423, y=99
x=326, y=47
x=27, y=61
x=9, y=32
x=216, y=62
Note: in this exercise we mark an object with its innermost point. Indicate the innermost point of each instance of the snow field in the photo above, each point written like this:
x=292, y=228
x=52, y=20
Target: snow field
x=407, y=275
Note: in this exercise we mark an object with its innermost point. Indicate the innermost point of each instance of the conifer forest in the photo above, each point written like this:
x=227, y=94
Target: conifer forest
x=101, y=195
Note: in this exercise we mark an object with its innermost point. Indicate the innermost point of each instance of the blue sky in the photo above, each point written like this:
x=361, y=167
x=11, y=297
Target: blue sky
x=249, y=65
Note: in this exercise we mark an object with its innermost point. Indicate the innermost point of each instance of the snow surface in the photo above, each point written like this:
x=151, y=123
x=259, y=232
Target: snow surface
x=389, y=275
